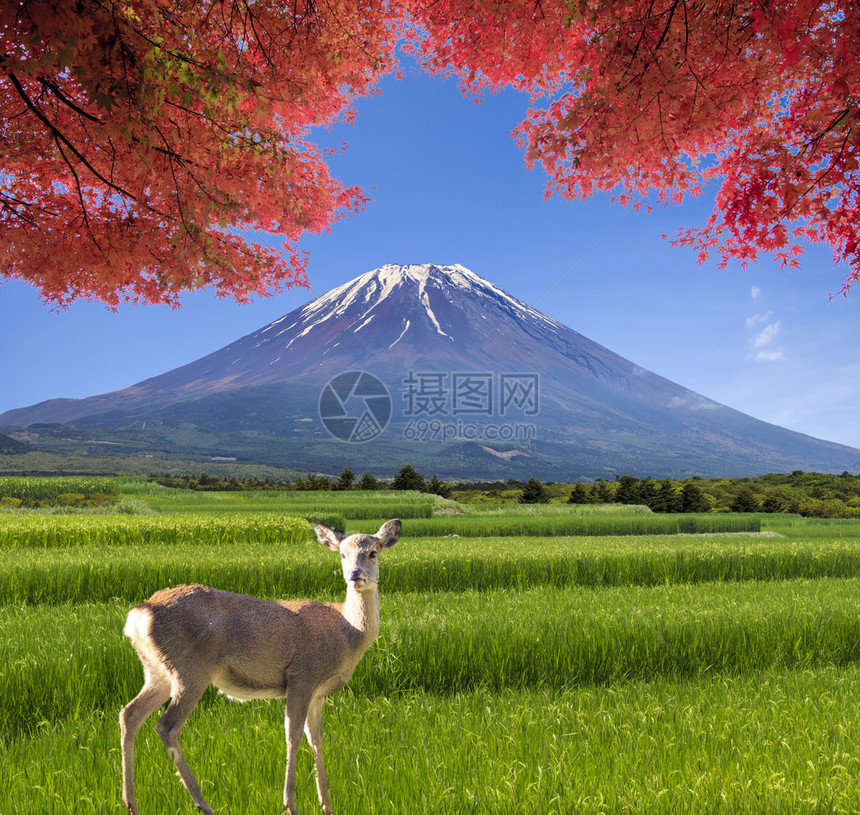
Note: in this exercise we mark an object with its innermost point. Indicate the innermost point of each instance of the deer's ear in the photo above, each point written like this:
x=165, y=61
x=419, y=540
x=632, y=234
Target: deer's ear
x=388, y=533
x=328, y=537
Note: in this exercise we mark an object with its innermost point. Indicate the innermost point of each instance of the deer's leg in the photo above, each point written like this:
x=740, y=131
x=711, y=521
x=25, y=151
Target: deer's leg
x=155, y=692
x=294, y=723
x=314, y=732
x=185, y=697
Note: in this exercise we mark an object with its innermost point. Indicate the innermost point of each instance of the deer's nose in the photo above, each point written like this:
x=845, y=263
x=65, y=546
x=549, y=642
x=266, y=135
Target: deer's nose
x=356, y=574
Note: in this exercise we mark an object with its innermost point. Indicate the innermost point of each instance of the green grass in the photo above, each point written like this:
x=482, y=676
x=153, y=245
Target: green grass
x=556, y=508
x=812, y=528
x=71, y=531
x=520, y=522
x=132, y=573
x=350, y=504
x=61, y=657
x=29, y=488
x=531, y=672
x=299, y=567
x=776, y=741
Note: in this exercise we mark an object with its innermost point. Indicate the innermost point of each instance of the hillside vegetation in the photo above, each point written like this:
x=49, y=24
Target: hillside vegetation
x=592, y=659
x=813, y=495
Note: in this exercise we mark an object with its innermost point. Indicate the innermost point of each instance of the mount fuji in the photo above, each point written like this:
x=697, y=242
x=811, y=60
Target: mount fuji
x=439, y=367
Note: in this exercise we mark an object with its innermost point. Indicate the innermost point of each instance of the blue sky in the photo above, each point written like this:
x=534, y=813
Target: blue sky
x=449, y=186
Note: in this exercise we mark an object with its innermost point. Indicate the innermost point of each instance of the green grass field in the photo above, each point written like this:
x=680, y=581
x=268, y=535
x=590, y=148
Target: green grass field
x=515, y=672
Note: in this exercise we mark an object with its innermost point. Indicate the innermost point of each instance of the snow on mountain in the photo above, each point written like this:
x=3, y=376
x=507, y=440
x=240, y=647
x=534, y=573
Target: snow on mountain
x=404, y=322
x=356, y=304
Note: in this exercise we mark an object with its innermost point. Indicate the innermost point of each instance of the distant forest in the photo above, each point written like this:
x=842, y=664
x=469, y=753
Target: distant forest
x=814, y=495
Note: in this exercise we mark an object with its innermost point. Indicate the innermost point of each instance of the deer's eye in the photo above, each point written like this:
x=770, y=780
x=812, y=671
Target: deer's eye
x=343, y=555
x=372, y=555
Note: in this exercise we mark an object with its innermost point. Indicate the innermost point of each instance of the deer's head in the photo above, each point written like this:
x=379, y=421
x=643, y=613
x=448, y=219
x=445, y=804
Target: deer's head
x=359, y=553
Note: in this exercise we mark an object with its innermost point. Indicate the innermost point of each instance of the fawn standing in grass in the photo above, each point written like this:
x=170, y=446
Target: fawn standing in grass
x=189, y=637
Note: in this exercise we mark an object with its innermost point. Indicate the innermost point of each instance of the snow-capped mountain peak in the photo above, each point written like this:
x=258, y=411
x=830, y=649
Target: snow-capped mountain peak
x=587, y=409
x=387, y=298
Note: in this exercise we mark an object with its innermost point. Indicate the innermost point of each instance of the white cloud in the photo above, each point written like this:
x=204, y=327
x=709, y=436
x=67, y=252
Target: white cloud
x=693, y=401
x=757, y=319
x=766, y=336
x=762, y=343
x=755, y=292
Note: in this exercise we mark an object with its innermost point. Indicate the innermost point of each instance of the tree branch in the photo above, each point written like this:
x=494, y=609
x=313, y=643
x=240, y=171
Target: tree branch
x=60, y=137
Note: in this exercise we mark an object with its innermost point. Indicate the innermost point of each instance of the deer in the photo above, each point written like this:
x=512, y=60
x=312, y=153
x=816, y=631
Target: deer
x=189, y=637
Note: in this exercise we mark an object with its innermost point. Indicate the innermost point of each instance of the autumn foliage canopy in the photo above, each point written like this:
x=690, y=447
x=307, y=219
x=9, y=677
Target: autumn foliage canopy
x=143, y=140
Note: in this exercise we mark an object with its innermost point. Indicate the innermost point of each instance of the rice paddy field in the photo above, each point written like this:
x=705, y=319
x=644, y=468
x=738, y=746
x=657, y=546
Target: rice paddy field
x=561, y=660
